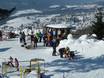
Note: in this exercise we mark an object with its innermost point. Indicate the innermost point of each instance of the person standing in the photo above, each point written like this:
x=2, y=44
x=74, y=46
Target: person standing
x=49, y=38
x=35, y=41
x=54, y=45
x=17, y=64
x=0, y=35
x=32, y=39
x=23, y=38
x=45, y=39
x=20, y=37
x=40, y=36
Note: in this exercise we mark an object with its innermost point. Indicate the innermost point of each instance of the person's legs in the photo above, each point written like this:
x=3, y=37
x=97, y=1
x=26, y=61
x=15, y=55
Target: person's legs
x=10, y=64
x=17, y=67
x=54, y=51
x=20, y=40
x=34, y=44
x=40, y=39
x=44, y=43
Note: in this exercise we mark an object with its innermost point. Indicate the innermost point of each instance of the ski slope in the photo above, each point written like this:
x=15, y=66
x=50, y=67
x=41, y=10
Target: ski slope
x=88, y=62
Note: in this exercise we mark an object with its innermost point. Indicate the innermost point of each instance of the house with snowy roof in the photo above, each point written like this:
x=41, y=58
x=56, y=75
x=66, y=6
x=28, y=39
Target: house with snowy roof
x=58, y=29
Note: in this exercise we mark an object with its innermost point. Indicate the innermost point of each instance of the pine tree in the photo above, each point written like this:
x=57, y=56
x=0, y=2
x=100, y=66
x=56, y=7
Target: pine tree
x=98, y=25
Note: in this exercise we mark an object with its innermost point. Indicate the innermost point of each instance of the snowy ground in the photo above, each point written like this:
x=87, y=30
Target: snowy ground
x=89, y=61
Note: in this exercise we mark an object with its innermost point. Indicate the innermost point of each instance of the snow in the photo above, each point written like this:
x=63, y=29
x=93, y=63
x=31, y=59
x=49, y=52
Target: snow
x=32, y=74
x=93, y=35
x=28, y=11
x=87, y=47
x=83, y=37
x=26, y=21
x=88, y=62
x=85, y=6
x=54, y=6
x=71, y=6
x=17, y=22
x=58, y=26
x=88, y=6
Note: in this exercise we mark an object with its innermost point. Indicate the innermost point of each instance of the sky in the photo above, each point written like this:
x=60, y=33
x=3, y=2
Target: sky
x=21, y=4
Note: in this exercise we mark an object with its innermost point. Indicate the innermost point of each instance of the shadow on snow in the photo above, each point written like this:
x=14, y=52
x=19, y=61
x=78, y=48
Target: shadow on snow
x=79, y=64
x=4, y=49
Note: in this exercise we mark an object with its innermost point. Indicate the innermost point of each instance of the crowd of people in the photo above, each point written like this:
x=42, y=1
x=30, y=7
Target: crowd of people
x=49, y=39
x=33, y=38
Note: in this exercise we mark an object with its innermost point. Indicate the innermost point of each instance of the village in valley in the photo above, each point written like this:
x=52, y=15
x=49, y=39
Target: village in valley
x=55, y=42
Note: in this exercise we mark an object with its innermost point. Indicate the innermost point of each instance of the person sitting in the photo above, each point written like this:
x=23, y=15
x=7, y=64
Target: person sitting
x=72, y=55
x=17, y=64
x=10, y=63
x=67, y=52
x=61, y=51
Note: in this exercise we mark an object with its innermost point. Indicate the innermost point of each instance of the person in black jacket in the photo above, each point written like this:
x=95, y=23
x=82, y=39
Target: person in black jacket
x=61, y=51
x=54, y=45
x=32, y=37
x=0, y=35
x=20, y=37
x=23, y=38
x=35, y=41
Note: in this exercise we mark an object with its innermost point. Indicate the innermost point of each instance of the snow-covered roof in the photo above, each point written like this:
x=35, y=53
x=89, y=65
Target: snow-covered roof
x=58, y=26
